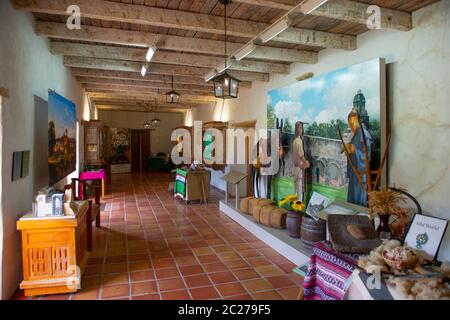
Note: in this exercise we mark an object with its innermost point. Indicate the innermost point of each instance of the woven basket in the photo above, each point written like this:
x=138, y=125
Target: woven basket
x=244, y=204
x=401, y=266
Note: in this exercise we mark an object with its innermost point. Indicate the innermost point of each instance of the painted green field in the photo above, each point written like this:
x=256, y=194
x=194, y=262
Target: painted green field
x=283, y=186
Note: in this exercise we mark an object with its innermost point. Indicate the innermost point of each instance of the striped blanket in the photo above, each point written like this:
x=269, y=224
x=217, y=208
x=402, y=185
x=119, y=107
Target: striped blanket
x=180, y=183
x=328, y=272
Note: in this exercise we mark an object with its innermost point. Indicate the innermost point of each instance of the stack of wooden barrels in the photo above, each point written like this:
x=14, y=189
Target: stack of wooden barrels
x=265, y=212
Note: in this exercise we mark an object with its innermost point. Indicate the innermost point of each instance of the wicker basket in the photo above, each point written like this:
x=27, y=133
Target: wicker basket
x=400, y=265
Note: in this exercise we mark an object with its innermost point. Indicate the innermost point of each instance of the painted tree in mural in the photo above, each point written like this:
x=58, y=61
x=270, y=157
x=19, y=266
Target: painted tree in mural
x=327, y=130
x=287, y=126
x=271, y=118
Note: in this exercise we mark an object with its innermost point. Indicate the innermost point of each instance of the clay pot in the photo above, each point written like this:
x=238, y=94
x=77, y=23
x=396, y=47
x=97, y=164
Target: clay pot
x=294, y=223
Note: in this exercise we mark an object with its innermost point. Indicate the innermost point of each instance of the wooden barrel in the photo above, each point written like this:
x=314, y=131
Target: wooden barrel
x=312, y=231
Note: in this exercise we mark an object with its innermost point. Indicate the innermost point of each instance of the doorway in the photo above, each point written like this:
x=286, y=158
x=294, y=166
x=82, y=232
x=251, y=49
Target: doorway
x=140, y=150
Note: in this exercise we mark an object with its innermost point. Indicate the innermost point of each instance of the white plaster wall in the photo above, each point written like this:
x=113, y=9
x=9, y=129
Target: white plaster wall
x=418, y=65
x=26, y=68
x=159, y=138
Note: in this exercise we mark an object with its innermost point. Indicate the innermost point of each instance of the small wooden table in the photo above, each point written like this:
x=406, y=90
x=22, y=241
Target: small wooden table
x=54, y=251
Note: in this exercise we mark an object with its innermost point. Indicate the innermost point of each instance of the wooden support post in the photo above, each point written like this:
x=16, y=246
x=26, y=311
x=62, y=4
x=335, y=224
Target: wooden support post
x=237, y=195
x=226, y=192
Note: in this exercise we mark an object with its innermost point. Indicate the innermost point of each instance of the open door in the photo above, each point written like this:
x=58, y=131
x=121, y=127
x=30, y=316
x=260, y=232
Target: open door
x=140, y=150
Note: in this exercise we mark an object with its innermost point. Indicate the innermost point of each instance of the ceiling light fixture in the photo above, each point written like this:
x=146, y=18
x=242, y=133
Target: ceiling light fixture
x=150, y=53
x=245, y=51
x=144, y=69
x=311, y=5
x=147, y=125
x=172, y=96
x=225, y=86
x=210, y=75
x=275, y=30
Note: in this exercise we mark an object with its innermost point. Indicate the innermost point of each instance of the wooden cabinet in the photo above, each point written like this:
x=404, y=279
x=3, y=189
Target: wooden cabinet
x=95, y=137
x=54, y=252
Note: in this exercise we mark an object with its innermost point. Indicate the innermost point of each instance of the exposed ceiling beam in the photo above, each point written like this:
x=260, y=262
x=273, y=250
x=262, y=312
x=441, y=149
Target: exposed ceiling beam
x=111, y=91
x=344, y=10
x=317, y=38
x=118, y=100
x=137, y=14
x=130, y=66
x=356, y=12
x=282, y=5
x=188, y=94
x=147, y=84
x=126, y=107
x=106, y=74
x=185, y=59
x=56, y=30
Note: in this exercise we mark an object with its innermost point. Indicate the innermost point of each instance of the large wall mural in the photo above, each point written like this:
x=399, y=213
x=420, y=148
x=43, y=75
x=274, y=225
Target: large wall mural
x=62, y=137
x=323, y=104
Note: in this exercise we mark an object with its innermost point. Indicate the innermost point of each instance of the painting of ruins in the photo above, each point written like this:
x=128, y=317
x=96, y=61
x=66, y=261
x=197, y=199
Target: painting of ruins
x=323, y=103
x=62, y=141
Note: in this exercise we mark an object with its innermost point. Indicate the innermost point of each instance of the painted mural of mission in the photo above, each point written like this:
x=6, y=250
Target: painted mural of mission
x=323, y=148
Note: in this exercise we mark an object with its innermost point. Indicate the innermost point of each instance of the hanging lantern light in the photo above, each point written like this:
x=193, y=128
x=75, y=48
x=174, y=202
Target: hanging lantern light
x=147, y=125
x=156, y=123
x=172, y=96
x=225, y=86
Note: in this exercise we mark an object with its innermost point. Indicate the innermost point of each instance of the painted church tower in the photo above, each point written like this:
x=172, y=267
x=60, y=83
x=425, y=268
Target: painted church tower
x=359, y=104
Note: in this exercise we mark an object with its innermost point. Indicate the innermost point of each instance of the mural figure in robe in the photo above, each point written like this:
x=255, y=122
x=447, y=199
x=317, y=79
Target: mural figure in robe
x=357, y=192
x=300, y=162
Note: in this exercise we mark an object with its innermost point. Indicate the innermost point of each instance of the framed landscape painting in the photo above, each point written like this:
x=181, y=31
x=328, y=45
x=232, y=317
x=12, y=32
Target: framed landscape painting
x=323, y=104
x=62, y=137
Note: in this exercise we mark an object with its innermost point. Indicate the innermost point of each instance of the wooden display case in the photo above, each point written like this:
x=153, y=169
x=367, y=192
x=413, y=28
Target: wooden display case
x=54, y=252
x=95, y=137
x=221, y=126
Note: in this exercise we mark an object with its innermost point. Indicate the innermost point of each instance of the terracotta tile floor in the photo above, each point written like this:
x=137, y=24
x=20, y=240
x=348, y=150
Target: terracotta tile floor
x=153, y=246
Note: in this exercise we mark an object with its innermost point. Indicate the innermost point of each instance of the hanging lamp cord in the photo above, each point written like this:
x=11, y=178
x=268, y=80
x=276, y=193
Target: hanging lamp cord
x=225, y=27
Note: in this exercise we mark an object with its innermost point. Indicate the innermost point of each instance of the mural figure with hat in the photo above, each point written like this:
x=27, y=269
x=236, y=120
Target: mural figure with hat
x=299, y=160
x=357, y=192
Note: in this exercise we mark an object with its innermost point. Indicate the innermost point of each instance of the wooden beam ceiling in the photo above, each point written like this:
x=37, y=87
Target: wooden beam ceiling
x=147, y=84
x=110, y=93
x=165, y=69
x=105, y=74
x=183, y=59
x=186, y=93
x=169, y=42
x=130, y=107
x=144, y=15
x=106, y=55
x=344, y=10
